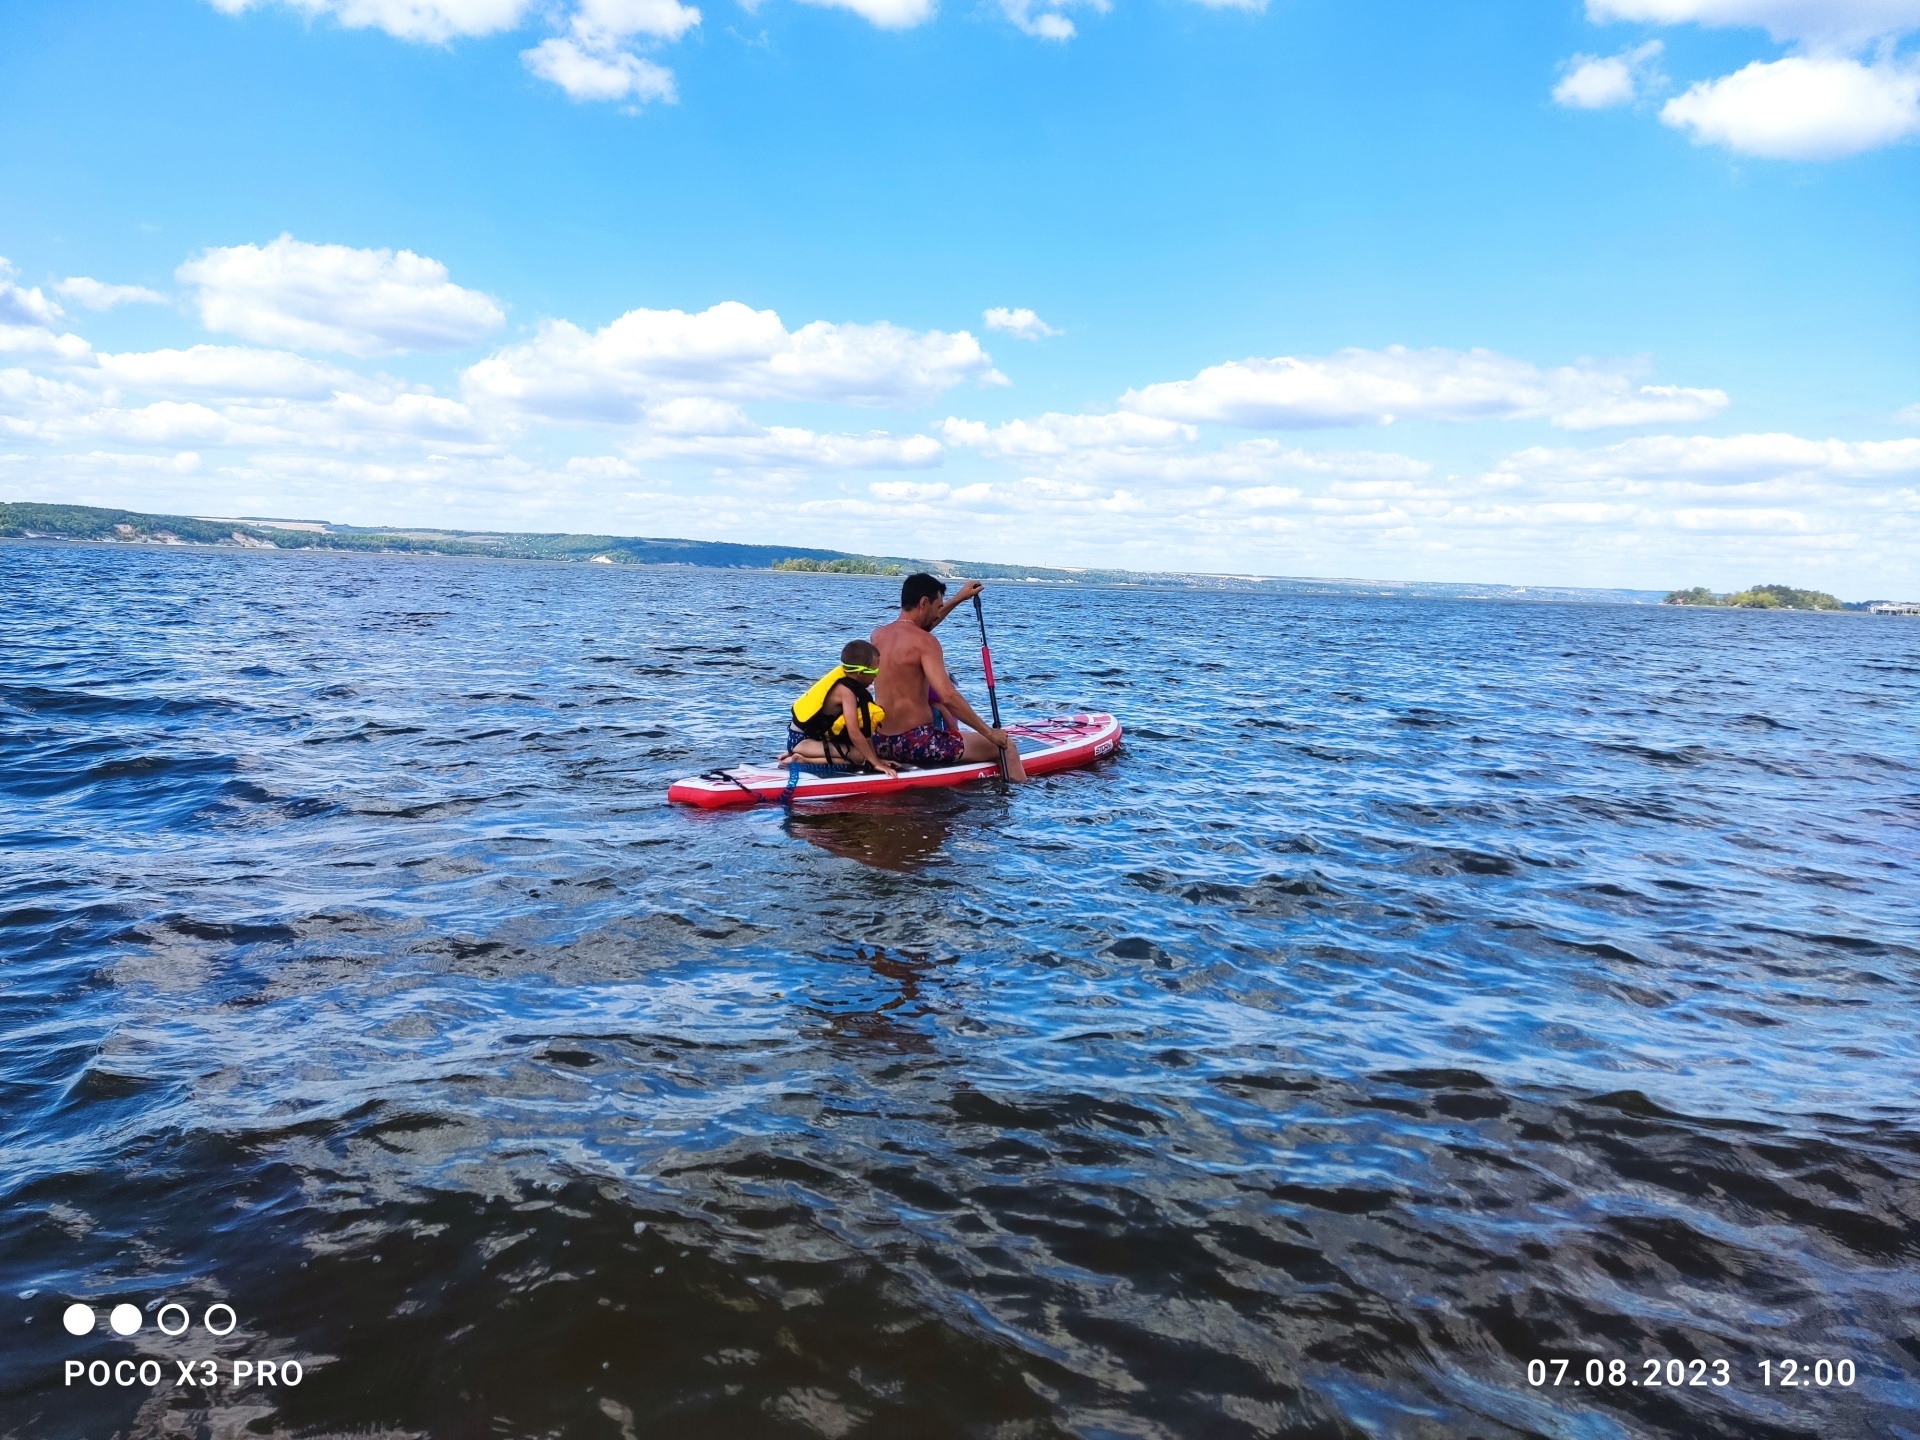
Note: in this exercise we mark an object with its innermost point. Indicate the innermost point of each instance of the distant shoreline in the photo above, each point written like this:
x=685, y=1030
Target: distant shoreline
x=35, y=522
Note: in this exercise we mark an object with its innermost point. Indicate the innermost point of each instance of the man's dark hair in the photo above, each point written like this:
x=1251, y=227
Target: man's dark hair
x=916, y=588
x=859, y=652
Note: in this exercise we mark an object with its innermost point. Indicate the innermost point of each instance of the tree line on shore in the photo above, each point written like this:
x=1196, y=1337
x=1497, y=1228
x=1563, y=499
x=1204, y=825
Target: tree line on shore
x=1758, y=597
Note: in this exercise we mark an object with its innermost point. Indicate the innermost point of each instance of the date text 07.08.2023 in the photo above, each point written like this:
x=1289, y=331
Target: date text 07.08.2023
x=1597, y=1374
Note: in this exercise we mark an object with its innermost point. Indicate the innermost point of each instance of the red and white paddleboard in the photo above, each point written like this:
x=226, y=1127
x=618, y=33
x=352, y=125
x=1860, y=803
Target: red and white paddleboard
x=1063, y=743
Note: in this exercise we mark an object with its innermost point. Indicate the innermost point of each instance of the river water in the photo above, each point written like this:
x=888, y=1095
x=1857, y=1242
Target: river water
x=1428, y=988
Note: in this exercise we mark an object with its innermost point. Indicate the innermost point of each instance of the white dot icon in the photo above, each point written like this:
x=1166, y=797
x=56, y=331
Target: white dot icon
x=78, y=1319
x=125, y=1319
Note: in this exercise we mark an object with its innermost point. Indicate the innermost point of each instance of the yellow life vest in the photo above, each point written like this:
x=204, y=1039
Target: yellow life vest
x=810, y=710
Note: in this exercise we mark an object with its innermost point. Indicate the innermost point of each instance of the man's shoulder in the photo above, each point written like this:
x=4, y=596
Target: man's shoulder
x=904, y=633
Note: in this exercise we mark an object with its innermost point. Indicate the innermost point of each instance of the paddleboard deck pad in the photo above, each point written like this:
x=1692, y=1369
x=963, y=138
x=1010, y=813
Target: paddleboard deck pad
x=1065, y=742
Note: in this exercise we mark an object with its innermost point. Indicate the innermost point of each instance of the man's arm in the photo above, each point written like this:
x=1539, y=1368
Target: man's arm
x=967, y=592
x=934, y=665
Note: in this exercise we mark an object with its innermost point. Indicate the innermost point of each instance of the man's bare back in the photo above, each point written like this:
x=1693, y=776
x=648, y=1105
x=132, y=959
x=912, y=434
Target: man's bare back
x=912, y=664
x=903, y=682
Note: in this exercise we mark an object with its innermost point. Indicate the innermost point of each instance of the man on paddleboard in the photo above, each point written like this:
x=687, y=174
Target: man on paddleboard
x=914, y=668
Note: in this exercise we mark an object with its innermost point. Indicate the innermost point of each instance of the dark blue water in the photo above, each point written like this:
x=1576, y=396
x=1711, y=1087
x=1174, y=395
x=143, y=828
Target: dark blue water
x=1429, y=988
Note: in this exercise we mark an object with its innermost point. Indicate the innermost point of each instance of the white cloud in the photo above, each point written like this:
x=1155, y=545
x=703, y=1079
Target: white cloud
x=788, y=447
x=355, y=423
x=23, y=307
x=600, y=75
x=38, y=340
x=226, y=370
x=1907, y=415
x=1058, y=435
x=1089, y=451
x=592, y=62
x=1377, y=387
x=1728, y=460
x=1021, y=324
x=236, y=429
x=333, y=297
x=609, y=21
x=1823, y=104
x=1820, y=22
x=1600, y=401
x=429, y=21
x=720, y=433
x=1595, y=82
x=729, y=352
x=886, y=14
x=28, y=402
x=1042, y=18
x=1803, y=108
x=96, y=295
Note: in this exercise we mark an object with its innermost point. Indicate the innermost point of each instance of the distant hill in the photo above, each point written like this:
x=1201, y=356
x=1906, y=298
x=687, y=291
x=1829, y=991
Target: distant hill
x=133, y=527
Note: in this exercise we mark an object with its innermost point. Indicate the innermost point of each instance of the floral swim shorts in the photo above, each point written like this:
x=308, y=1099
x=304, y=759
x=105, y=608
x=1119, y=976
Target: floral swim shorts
x=922, y=745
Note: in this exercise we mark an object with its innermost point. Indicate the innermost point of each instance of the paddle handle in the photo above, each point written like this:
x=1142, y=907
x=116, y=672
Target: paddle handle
x=993, y=696
x=986, y=662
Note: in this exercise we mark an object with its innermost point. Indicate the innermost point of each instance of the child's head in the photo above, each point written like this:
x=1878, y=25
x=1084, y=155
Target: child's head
x=859, y=657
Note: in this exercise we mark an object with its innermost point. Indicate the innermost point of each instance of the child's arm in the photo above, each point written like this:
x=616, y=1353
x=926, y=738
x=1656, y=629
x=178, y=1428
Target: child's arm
x=863, y=747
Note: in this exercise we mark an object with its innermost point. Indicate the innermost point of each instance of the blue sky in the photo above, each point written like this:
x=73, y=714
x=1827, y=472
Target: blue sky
x=1638, y=281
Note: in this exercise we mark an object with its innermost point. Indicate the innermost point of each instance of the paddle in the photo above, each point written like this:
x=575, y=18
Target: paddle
x=993, y=698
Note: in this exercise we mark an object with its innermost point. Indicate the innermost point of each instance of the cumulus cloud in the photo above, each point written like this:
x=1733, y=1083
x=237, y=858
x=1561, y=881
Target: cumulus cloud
x=96, y=295
x=1021, y=324
x=1058, y=435
x=27, y=318
x=1802, y=108
x=600, y=75
x=23, y=307
x=430, y=21
x=1089, y=451
x=1841, y=23
x=886, y=14
x=608, y=22
x=728, y=352
x=37, y=340
x=789, y=447
x=248, y=429
x=593, y=60
x=226, y=370
x=1725, y=460
x=721, y=433
x=1644, y=511
x=1377, y=387
x=1825, y=103
x=594, y=57
x=1594, y=82
x=333, y=297
x=1042, y=18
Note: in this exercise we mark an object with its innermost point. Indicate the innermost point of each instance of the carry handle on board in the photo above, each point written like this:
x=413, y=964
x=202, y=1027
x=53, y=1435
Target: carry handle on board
x=993, y=699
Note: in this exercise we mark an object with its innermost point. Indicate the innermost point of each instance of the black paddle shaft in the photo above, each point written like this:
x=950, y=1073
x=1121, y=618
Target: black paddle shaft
x=993, y=696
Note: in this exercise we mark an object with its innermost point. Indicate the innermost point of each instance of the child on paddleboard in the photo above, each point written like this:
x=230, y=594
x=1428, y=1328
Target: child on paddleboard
x=833, y=720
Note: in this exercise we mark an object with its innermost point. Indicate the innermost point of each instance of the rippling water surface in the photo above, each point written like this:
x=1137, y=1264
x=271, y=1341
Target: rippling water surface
x=1428, y=988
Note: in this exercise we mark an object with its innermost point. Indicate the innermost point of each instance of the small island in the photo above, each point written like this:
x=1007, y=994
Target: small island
x=1757, y=597
x=852, y=565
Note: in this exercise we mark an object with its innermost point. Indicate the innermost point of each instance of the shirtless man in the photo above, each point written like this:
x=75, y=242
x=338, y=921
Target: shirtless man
x=911, y=665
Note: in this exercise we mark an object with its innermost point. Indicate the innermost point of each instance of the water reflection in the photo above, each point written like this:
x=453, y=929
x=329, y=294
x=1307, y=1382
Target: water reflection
x=902, y=833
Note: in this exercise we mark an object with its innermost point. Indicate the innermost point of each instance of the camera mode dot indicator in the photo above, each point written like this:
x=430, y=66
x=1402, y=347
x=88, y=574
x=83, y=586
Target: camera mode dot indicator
x=125, y=1319
x=78, y=1319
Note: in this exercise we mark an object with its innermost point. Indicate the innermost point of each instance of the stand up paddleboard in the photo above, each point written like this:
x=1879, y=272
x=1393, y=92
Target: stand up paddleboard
x=1063, y=743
